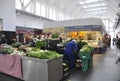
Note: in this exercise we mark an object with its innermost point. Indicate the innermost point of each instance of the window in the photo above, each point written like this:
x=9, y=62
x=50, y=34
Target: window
x=26, y=2
x=30, y=8
x=60, y=16
x=54, y=14
x=37, y=11
x=18, y=4
x=43, y=10
x=50, y=13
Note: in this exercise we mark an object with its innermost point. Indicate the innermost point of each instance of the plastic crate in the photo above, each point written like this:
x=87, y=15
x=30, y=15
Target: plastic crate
x=85, y=55
x=84, y=65
x=90, y=62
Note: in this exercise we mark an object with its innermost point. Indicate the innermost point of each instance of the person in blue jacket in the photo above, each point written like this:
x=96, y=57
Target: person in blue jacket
x=68, y=53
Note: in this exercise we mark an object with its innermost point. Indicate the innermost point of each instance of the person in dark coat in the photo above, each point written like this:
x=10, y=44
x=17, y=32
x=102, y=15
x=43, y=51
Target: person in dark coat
x=3, y=39
x=68, y=53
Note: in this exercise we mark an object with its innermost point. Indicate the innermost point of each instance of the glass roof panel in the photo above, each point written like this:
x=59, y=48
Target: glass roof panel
x=89, y=1
x=96, y=9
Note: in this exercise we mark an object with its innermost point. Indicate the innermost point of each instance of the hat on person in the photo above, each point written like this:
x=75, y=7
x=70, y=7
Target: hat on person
x=74, y=40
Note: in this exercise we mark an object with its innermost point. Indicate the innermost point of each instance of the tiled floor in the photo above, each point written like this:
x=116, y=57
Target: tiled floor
x=104, y=68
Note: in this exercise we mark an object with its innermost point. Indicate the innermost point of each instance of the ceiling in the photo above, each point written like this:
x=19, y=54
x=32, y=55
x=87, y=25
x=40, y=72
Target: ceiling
x=87, y=8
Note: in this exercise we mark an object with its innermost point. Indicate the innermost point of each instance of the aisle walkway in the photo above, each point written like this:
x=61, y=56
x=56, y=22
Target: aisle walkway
x=104, y=68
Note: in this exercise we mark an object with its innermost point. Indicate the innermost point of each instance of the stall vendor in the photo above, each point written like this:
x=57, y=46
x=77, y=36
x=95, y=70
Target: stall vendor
x=68, y=53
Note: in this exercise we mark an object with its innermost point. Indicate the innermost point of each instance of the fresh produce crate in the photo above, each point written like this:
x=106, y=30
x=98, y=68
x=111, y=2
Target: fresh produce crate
x=90, y=62
x=85, y=65
x=84, y=55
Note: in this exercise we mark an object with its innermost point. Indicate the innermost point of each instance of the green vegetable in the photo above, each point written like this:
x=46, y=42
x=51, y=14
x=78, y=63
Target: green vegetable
x=86, y=49
x=6, y=50
x=43, y=54
x=55, y=35
x=16, y=44
x=39, y=44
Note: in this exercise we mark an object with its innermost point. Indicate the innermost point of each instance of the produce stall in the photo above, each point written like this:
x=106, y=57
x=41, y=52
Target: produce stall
x=88, y=29
x=87, y=33
x=36, y=64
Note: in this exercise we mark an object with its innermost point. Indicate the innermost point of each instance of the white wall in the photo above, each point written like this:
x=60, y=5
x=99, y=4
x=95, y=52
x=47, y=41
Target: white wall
x=7, y=13
x=76, y=22
x=26, y=21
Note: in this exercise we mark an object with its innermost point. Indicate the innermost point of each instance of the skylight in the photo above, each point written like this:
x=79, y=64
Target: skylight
x=97, y=12
x=96, y=9
x=89, y=1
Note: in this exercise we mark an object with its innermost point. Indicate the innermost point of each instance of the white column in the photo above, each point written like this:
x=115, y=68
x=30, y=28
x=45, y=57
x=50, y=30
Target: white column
x=8, y=14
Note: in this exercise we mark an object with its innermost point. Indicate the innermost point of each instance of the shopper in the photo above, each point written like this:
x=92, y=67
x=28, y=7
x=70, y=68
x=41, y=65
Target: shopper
x=3, y=40
x=118, y=43
x=68, y=53
x=114, y=41
x=100, y=44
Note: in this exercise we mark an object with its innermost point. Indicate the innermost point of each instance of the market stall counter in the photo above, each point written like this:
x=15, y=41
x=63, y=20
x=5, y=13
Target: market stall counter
x=11, y=64
x=42, y=69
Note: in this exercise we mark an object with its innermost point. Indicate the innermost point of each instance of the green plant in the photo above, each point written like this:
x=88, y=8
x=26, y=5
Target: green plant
x=39, y=44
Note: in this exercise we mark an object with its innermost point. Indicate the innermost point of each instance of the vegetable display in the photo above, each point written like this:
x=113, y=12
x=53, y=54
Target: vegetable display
x=6, y=49
x=16, y=44
x=43, y=54
x=55, y=35
x=85, y=49
x=39, y=44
